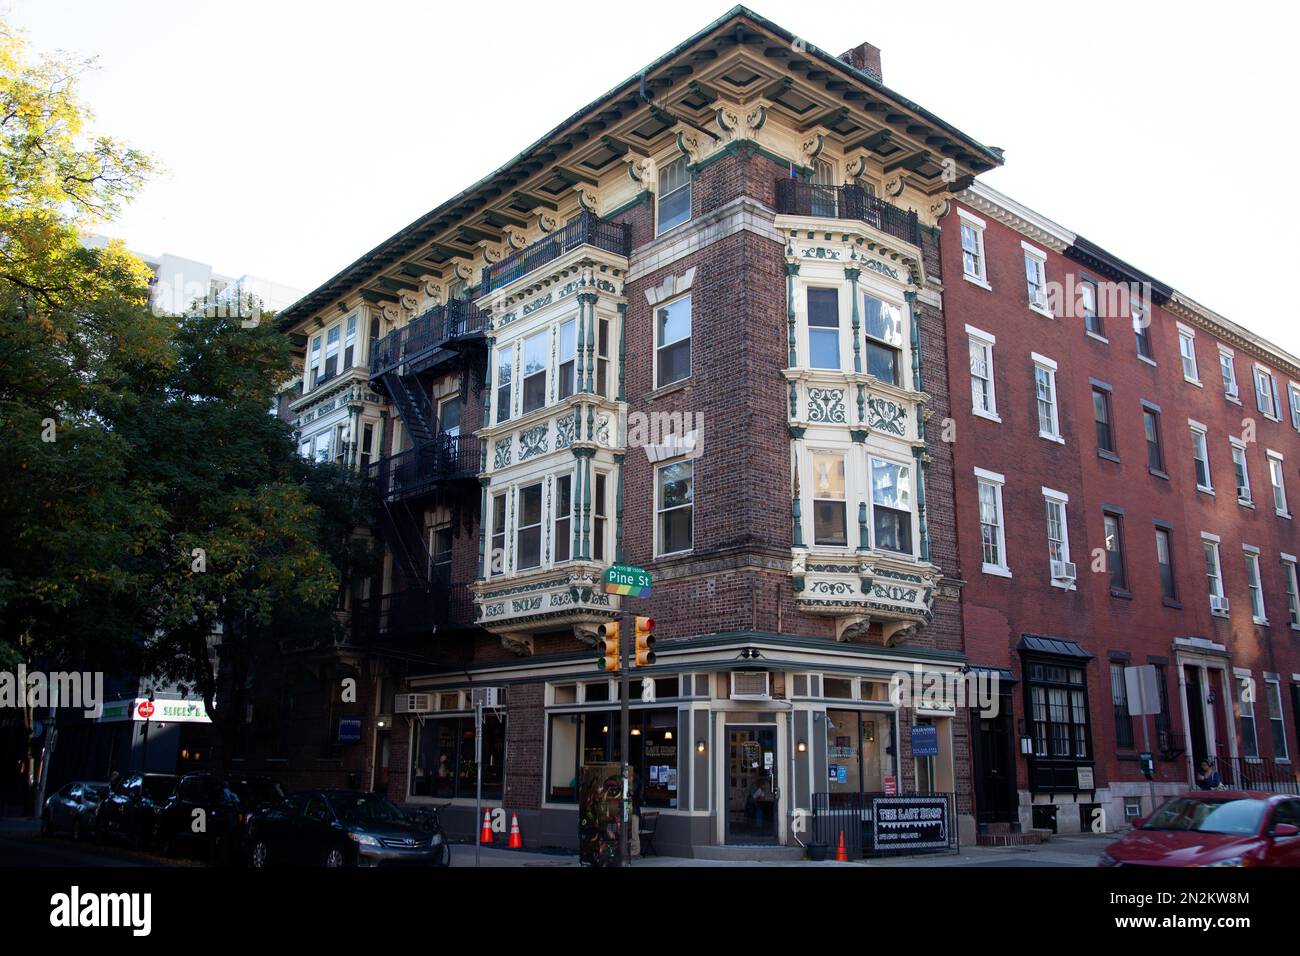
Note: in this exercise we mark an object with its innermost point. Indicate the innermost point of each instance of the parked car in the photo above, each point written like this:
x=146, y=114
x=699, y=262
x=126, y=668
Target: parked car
x=345, y=828
x=72, y=809
x=208, y=813
x=130, y=810
x=1214, y=828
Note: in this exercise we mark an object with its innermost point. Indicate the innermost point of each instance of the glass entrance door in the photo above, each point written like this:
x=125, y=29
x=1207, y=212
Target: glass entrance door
x=752, y=791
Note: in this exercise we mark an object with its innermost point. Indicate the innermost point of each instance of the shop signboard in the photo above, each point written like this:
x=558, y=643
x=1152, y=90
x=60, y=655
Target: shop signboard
x=909, y=823
x=600, y=810
x=349, y=730
x=925, y=740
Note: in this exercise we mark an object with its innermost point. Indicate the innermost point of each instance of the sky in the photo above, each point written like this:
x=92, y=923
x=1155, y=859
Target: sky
x=296, y=136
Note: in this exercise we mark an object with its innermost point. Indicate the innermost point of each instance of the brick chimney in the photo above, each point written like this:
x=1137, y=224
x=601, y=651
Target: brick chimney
x=866, y=58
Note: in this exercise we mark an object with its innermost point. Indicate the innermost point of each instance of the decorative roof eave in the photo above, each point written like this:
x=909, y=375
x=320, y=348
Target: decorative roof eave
x=1089, y=254
x=1233, y=334
x=521, y=169
x=987, y=200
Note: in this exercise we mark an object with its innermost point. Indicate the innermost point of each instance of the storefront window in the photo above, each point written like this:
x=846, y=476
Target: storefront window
x=859, y=747
x=595, y=737
x=444, y=764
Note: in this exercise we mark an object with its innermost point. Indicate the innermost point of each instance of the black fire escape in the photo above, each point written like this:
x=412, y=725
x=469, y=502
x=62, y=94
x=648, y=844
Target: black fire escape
x=436, y=468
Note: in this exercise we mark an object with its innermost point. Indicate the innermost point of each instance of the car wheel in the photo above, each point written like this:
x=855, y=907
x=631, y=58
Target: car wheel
x=260, y=854
x=334, y=858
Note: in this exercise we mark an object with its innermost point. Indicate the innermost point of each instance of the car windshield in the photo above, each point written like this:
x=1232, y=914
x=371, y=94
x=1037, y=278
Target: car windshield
x=159, y=788
x=254, y=792
x=366, y=808
x=1239, y=816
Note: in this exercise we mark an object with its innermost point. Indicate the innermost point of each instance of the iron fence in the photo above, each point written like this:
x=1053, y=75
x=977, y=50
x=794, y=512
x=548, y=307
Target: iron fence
x=1248, y=773
x=796, y=197
x=882, y=824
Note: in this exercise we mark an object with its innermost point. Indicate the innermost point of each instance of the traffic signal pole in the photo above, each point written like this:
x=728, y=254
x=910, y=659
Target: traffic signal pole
x=627, y=636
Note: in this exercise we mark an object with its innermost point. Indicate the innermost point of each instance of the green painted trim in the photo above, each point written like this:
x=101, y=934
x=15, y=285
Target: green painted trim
x=853, y=275
x=622, y=350
x=618, y=512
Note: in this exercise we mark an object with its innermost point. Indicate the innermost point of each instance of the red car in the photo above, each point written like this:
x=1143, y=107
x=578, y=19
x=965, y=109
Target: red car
x=1214, y=828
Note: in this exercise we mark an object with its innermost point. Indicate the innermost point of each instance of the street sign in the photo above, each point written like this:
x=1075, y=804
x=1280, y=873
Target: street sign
x=627, y=580
x=1142, y=687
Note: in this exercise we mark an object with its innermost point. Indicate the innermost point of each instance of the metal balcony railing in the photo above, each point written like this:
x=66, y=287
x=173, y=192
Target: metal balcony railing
x=404, y=615
x=1249, y=773
x=795, y=197
x=418, y=471
x=586, y=229
x=439, y=327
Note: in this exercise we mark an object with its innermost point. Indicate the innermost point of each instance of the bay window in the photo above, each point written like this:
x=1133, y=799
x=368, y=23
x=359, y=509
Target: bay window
x=891, y=506
x=568, y=357
x=1058, y=710
x=535, y=371
x=497, y=559
x=563, y=516
x=884, y=327
x=830, y=523
x=528, y=534
x=505, y=371
x=823, y=328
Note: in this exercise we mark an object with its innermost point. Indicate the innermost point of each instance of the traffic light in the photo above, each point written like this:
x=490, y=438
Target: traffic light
x=645, y=639
x=611, y=651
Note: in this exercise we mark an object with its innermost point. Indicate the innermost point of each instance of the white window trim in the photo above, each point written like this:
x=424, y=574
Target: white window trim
x=1230, y=355
x=997, y=481
x=1061, y=498
x=990, y=341
x=656, y=345
x=1033, y=252
x=1200, y=429
x=1189, y=333
x=1272, y=380
x=871, y=505
x=1293, y=388
x=1236, y=444
x=979, y=225
x=689, y=187
x=1270, y=455
x=1207, y=538
x=1252, y=559
x=842, y=455
x=843, y=330
x=658, y=542
x=1275, y=681
x=1049, y=365
x=1293, y=585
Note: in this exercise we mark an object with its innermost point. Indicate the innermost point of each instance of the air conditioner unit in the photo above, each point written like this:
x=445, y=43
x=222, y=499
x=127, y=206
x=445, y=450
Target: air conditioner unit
x=1243, y=493
x=487, y=696
x=751, y=685
x=413, y=704
x=1218, y=603
x=1063, y=571
x=1231, y=392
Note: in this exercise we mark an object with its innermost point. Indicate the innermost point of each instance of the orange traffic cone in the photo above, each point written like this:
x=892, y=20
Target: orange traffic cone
x=486, y=835
x=516, y=838
x=841, y=855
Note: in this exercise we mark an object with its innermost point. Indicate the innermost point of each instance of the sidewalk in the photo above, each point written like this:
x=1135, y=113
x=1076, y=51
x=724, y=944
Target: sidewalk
x=1071, y=851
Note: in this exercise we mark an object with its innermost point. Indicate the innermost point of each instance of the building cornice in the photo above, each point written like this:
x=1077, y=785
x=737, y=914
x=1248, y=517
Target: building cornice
x=987, y=200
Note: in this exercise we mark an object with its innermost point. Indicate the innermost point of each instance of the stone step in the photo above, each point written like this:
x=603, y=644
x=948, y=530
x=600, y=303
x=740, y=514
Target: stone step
x=761, y=854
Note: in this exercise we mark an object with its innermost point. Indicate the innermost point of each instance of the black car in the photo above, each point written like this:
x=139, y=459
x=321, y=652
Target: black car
x=130, y=811
x=208, y=813
x=72, y=809
x=345, y=828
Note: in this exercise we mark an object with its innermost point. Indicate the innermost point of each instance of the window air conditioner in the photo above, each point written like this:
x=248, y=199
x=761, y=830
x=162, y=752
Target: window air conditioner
x=1063, y=571
x=413, y=704
x=750, y=685
x=1243, y=493
x=1218, y=603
